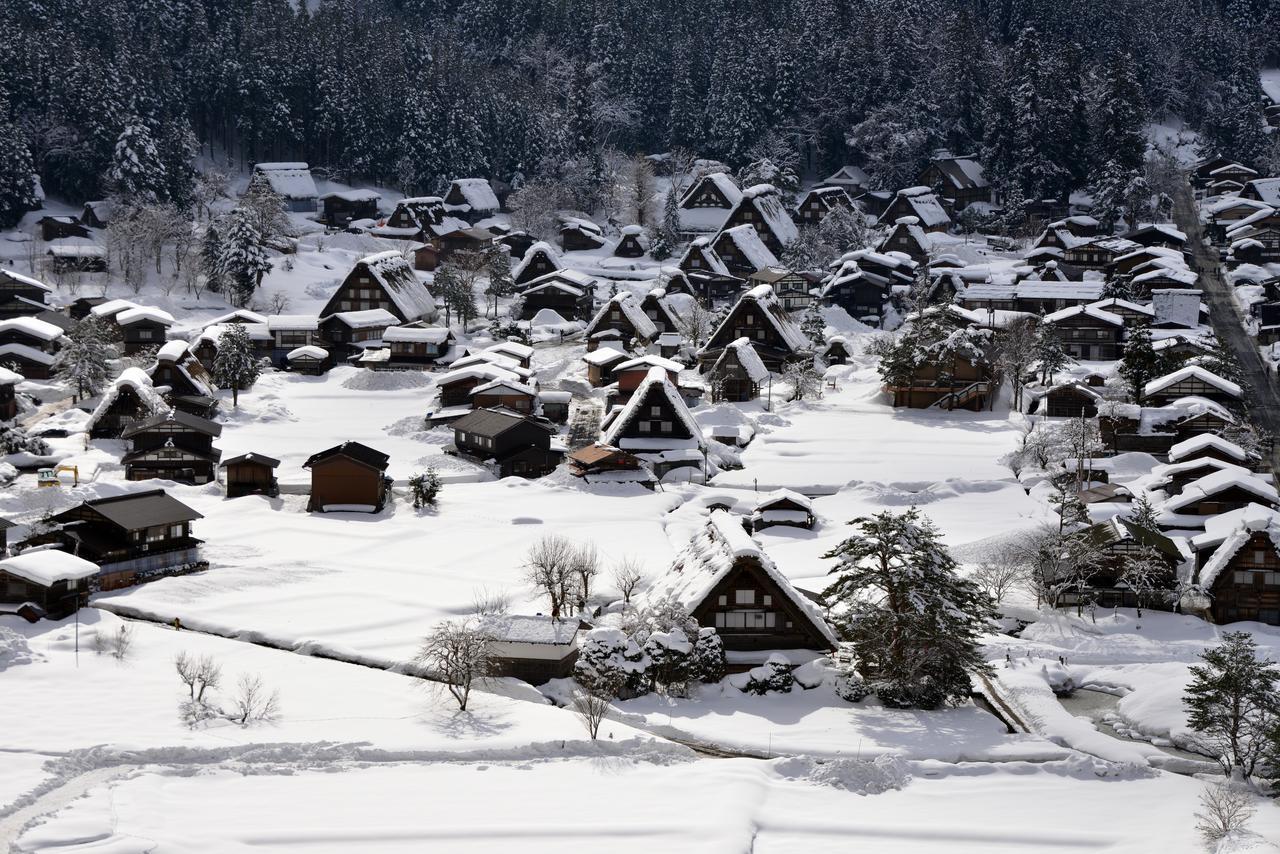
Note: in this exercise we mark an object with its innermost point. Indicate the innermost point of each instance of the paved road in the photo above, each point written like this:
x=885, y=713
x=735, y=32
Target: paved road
x=1262, y=399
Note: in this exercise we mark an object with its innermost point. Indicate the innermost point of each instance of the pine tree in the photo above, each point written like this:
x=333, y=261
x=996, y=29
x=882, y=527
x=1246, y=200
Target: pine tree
x=234, y=366
x=1221, y=360
x=17, y=172
x=814, y=326
x=914, y=622
x=1140, y=363
x=425, y=488
x=82, y=361
x=1143, y=514
x=1232, y=702
x=242, y=262
x=708, y=654
x=1050, y=355
x=497, y=263
x=137, y=173
x=608, y=661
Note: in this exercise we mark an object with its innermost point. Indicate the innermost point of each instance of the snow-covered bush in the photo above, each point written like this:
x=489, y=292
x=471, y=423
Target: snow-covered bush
x=851, y=687
x=15, y=440
x=13, y=648
x=425, y=487
x=671, y=662
x=708, y=654
x=774, y=676
x=609, y=662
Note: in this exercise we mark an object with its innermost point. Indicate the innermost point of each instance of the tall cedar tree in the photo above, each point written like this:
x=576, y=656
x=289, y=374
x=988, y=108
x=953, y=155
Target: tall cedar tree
x=82, y=361
x=1232, y=702
x=17, y=172
x=234, y=366
x=1140, y=363
x=914, y=621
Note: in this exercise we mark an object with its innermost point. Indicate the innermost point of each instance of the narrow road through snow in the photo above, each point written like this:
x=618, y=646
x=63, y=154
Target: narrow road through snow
x=1264, y=403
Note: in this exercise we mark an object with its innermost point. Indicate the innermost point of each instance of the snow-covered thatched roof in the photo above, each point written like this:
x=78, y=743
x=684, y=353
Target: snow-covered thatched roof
x=713, y=552
x=748, y=243
x=29, y=353
x=654, y=385
x=628, y=306
x=402, y=286
x=477, y=192
x=291, y=180
x=722, y=181
x=701, y=246
x=541, y=247
x=137, y=381
x=767, y=201
x=1231, y=531
x=747, y=357
x=767, y=301
x=1087, y=310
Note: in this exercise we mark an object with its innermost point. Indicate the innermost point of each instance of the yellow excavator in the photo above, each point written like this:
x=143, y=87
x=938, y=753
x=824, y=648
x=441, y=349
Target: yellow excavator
x=49, y=477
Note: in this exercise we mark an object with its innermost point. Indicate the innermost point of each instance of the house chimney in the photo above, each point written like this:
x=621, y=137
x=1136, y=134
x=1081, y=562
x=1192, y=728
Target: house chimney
x=1176, y=307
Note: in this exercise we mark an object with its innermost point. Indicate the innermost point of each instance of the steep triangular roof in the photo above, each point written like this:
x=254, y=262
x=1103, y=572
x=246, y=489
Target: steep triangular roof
x=764, y=297
x=630, y=307
x=654, y=386
x=714, y=552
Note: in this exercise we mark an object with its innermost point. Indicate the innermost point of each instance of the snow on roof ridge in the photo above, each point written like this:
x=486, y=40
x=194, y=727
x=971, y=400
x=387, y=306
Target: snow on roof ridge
x=1196, y=372
x=1205, y=440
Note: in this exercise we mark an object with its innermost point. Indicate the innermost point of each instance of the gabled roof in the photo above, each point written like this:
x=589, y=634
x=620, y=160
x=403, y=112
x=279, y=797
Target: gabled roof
x=137, y=381
x=416, y=334
x=713, y=552
x=764, y=297
x=290, y=180
x=30, y=354
x=747, y=357
x=1193, y=372
x=505, y=385
x=293, y=323
x=175, y=416
x=1231, y=531
x=1267, y=189
x=702, y=246
x=7, y=275
x=260, y=459
x=366, y=319
x=542, y=247
x=1087, y=310
x=767, y=201
x=493, y=422
x=963, y=173
x=144, y=312
x=139, y=510
x=1119, y=530
x=629, y=306
x=362, y=454
x=655, y=384
x=32, y=327
x=784, y=496
x=726, y=185
x=478, y=193
x=924, y=205
x=748, y=243
x=1220, y=481
x=46, y=567
x=514, y=349
x=394, y=273
x=1204, y=441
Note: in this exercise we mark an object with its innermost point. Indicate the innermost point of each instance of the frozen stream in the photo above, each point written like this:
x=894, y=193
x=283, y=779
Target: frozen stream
x=1100, y=708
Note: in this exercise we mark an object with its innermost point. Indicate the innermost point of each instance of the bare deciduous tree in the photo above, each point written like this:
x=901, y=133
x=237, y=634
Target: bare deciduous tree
x=116, y=644
x=550, y=570
x=198, y=674
x=1001, y=570
x=1225, y=808
x=458, y=654
x=627, y=577
x=591, y=705
x=254, y=702
x=586, y=566
x=1015, y=351
x=490, y=603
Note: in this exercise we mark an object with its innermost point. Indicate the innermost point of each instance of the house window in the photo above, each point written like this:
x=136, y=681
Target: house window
x=724, y=600
x=767, y=599
x=643, y=426
x=145, y=334
x=666, y=426
x=655, y=411
x=744, y=597
x=176, y=531
x=1260, y=558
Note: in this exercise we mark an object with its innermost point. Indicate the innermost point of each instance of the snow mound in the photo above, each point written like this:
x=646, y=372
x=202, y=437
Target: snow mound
x=547, y=317
x=13, y=648
x=386, y=380
x=860, y=776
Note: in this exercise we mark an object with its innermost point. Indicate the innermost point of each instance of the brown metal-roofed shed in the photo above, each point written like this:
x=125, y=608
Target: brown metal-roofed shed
x=347, y=476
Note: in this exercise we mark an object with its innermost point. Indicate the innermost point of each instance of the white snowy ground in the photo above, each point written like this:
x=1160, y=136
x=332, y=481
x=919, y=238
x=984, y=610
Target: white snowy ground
x=627, y=805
